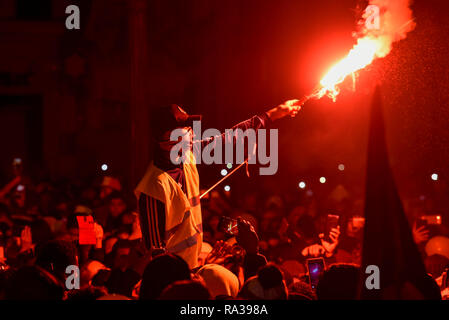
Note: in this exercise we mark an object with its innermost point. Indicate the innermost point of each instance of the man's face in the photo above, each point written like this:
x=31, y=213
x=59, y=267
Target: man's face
x=355, y=226
x=184, y=134
x=117, y=207
x=185, y=137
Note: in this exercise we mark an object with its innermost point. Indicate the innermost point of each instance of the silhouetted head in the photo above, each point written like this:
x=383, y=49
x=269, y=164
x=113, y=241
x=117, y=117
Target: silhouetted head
x=161, y=272
x=339, y=282
x=34, y=283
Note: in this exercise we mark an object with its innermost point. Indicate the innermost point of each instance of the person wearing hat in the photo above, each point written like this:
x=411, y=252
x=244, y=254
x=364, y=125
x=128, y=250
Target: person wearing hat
x=109, y=185
x=168, y=195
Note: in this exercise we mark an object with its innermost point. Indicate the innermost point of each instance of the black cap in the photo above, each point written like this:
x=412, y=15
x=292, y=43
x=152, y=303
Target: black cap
x=170, y=117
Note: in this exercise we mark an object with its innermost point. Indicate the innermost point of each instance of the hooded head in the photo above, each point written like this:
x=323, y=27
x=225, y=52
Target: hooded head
x=164, y=121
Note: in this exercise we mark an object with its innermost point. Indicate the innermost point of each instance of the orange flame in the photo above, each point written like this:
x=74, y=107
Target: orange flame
x=361, y=55
x=395, y=21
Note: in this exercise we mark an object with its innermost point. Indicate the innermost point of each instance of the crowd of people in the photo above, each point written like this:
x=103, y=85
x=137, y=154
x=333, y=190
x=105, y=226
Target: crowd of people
x=264, y=257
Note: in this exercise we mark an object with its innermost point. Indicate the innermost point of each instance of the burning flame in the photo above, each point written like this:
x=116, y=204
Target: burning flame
x=361, y=55
x=396, y=20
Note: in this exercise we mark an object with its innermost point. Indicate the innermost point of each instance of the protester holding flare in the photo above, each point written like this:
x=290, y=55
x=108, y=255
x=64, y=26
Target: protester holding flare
x=168, y=194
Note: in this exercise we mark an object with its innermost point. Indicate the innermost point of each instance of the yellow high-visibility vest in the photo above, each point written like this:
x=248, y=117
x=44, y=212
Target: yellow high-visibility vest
x=183, y=220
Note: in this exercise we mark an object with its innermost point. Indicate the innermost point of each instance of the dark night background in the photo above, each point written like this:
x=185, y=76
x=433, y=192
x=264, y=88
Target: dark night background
x=73, y=100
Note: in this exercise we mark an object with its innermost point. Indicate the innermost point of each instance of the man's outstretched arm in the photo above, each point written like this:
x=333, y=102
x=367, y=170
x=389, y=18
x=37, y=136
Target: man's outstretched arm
x=288, y=108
